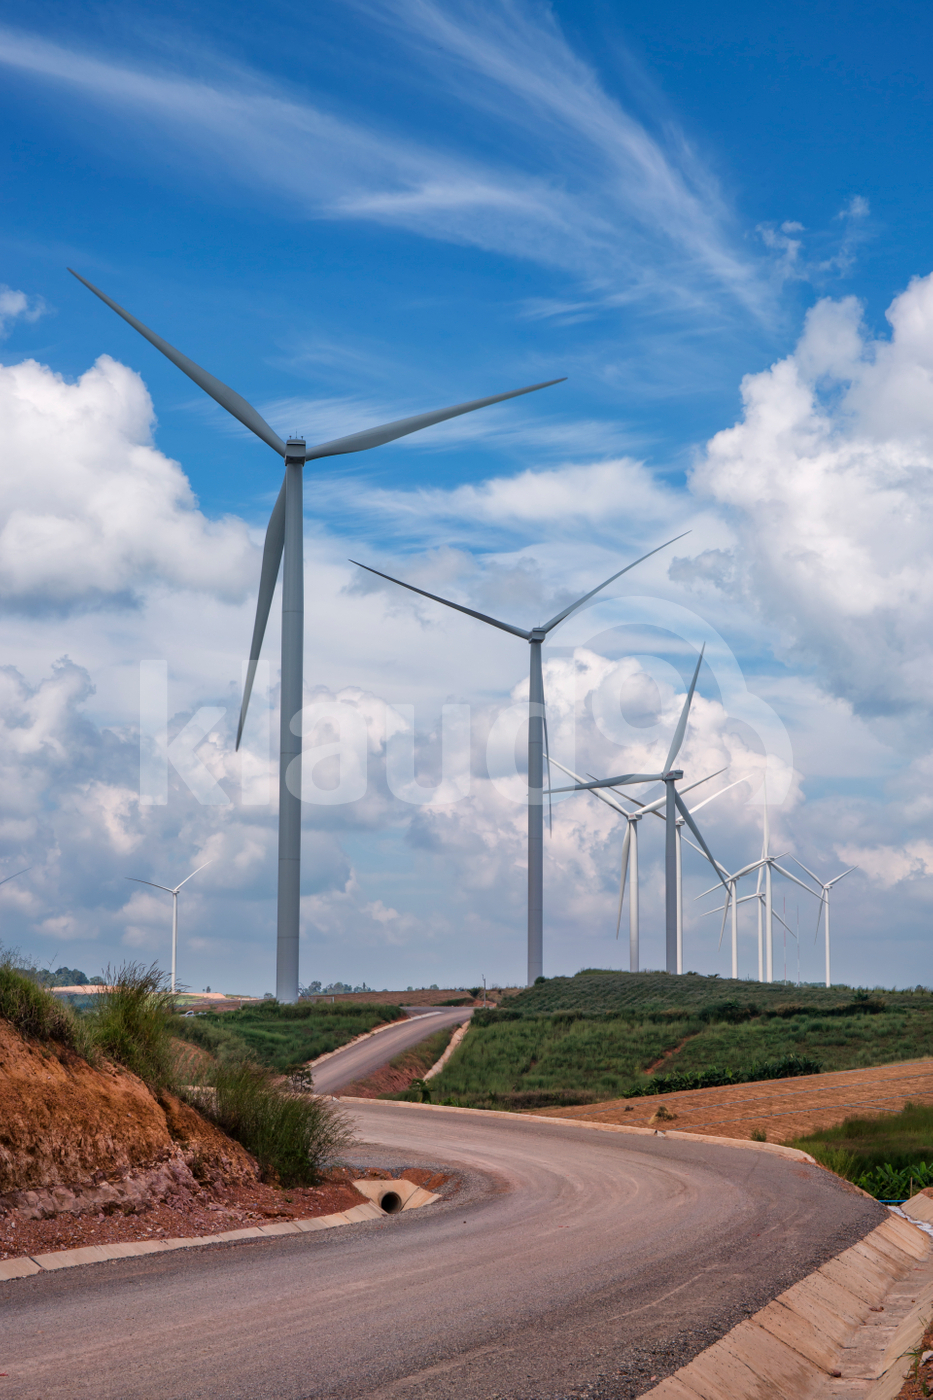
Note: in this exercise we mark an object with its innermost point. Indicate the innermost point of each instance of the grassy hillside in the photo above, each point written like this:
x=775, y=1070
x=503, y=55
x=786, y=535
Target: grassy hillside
x=282, y=1037
x=610, y=1035
x=660, y=991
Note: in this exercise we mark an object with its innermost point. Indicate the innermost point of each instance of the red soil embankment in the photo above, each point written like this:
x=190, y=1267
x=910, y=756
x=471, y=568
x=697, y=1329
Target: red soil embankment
x=782, y=1108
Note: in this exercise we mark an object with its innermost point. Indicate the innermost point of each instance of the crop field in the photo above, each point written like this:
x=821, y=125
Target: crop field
x=594, y=1037
x=282, y=1037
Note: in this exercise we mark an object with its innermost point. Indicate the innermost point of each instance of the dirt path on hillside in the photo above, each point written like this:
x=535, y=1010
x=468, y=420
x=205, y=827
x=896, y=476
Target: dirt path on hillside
x=782, y=1108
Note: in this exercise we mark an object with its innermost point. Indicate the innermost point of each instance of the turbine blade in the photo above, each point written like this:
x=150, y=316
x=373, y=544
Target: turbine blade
x=593, y=591
x=725, y=915
x=625, y=849
x=614, y=782
x=795, y=880
x=221, y=393
x=682, y=809
x=808, y=870
x=681, y=729
x=29, y=867
x=493, y=622
x=819, y=915
x=193, y=873
x=576, y=777
x=148, y=882
x=832, y=882
x=716, y=794
x=388, y=432
x=271, y=559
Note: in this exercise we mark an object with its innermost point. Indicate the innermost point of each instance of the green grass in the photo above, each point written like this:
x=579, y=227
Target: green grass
x=131, y=1023
x=293, y=1137
x=879, y=1154
x=590, y=1037
x=659, y=991
x=282, y=1037
x=33, y=1011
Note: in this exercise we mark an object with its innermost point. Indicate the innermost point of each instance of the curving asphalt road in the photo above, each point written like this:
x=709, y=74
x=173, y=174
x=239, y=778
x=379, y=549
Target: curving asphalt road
x=571, y=1262
x=357, y=1061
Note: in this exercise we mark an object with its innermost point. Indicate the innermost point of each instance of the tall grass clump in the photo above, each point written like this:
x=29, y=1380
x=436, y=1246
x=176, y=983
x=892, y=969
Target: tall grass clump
x=32, y=1010
x=293, y=1137
x=131, y=1023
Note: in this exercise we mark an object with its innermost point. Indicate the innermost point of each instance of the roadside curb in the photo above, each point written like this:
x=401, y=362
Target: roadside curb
x=793, y=1154
x=839, y=1334
x=455, y=1040
x=24, y=1267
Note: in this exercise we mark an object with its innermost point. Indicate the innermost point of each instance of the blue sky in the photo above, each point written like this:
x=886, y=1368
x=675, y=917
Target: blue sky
x=358, y=211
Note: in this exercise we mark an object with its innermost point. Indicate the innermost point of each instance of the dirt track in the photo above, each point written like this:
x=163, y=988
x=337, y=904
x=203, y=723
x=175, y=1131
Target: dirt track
x=783, y=1108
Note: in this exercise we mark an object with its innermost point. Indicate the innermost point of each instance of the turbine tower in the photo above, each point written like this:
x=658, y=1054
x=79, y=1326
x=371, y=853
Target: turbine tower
x=174, y=893
x=284, y=535
x=537, y=736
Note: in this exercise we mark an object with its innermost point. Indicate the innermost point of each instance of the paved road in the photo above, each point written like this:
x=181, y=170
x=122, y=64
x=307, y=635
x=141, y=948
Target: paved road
x=356, y=1061
x=572, y=1261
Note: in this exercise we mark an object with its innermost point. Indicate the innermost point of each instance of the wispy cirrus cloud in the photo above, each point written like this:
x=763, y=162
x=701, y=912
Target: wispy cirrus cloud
x=554, y=170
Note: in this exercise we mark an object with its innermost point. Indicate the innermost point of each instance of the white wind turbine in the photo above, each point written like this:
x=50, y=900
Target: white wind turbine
x=630, y=849
x=174, y=893
x=537, y=738
x=824, y=903
x=285, y=539
x=673, y=803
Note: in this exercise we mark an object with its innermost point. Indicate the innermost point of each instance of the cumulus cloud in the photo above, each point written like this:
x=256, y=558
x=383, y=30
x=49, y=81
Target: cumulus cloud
x=828, y=479
x=90, y=510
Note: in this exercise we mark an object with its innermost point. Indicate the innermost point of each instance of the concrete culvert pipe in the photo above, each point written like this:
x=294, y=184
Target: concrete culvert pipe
x=391, y=1202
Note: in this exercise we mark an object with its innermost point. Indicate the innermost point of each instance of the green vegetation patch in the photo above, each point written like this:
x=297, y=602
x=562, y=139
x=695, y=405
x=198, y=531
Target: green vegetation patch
x=283, y=1037
x=889, y=1156
x=596, y=1036
x=595, y=990
x=33, y=1011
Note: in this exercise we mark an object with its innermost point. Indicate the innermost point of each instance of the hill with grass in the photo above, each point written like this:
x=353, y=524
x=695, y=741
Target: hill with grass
x=602, y=1035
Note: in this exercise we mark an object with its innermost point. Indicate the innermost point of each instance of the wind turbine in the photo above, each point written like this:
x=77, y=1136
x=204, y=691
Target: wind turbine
x=284, y=535
x=630, y=848
x=537, y=735
x=673, y=803
x=174, y=893
x=824, y=901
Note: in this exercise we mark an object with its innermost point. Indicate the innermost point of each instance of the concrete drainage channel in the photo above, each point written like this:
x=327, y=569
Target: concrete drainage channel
x=846, y=1332
x=384, y=1198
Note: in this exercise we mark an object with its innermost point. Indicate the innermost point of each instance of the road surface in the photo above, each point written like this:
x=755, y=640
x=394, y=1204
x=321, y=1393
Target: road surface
x=357, y=1061
x=571, y=1262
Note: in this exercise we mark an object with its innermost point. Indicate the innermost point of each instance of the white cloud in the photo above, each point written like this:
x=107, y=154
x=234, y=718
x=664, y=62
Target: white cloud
x=17, y=306
x=569, y=179
x=828, y=480
x=89, y=508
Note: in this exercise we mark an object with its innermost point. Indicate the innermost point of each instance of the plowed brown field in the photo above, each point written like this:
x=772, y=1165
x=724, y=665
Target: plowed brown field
x=783, y=1108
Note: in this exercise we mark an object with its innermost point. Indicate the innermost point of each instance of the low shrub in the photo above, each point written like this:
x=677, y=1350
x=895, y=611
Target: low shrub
x=883, y=1155
x=788, y=1067
x=32, y=1010
x=132, y=1023
x=293, y=1137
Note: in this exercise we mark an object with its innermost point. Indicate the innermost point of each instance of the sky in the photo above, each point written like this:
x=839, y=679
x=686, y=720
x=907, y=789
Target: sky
x=714, y=222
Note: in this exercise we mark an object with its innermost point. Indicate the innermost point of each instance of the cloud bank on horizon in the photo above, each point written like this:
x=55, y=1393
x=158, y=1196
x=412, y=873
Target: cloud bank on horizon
x=532, y=201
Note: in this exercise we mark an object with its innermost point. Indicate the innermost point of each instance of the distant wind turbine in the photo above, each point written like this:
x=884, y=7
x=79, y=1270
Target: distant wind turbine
x=284, y=535
x=537, y=738
x=824, y=902
x=630, y=847
x=174, y=893
x=673, y=803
